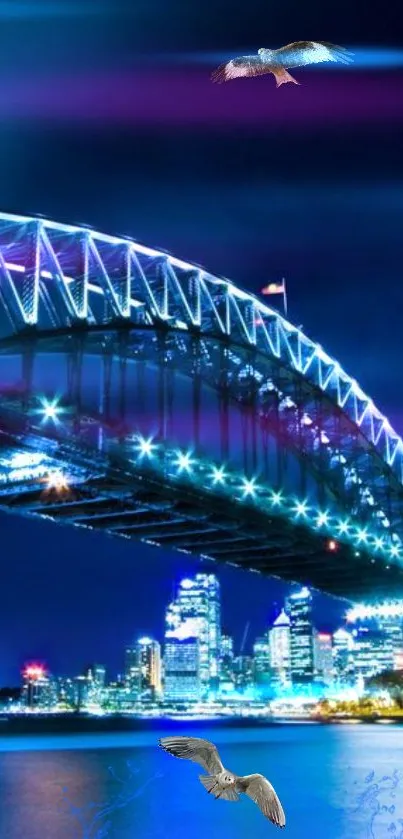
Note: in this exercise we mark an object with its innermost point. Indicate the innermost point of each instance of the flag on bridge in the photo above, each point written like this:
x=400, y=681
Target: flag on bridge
x=277, y=288
x=274, y=288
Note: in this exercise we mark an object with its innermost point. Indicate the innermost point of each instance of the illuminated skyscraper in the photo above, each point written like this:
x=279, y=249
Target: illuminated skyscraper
x=300, y=612
x=386, y=618
x=95, y=675
x=243, y=672
x=343, y=656
x=261, y=661
x=227, y=662
x=182, y=669
x=149, y=664
x=132, y=669
x=323, y=657
x=280, y=652
x=373, y=652
x=196, y=612
x=82, y=692
x=39, y=689
x=67, y=694
x=143, y=668
x=227, y=646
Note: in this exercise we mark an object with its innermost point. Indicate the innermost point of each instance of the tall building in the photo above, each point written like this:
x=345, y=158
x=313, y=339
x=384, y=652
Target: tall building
x=343, y=656
x=143, y=668
x=243, y=672
x=226, y=646
x=196, y=612
x=261, y=661
x=95, y=675
x=299, y=607
x=323, y=657
x=39, y=690
x=373, y=652
x=132, y=669
x=67, y=695
x=280, y=650
x=392, y=628
x=386, y=618
x=226, y=670
x=149, y=665
x=182, y=670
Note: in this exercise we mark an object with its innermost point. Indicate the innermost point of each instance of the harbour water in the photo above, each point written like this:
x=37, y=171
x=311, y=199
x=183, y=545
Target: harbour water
x=335, y=782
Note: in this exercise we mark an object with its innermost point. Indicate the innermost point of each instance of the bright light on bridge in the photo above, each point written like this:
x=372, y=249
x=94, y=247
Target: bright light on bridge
x=146, y=447
x=184, y=462
x=322, y=520
x=218, y=476
x=343, y=527
x=301, y=509
x=380, y=610
x=332, y=545
x=50, y=410
x=56, y=480
x=362, y=535
x=249, y=487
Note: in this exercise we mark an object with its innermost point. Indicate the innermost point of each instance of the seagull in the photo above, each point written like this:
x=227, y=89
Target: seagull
x=222, y=783
x=297, y=54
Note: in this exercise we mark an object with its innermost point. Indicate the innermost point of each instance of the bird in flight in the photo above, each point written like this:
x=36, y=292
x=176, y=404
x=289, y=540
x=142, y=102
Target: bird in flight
x=222, y=783
x=278, y=62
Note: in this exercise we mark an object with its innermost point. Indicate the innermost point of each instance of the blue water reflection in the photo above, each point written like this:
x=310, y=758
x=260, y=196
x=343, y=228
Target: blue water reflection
x=335, y=782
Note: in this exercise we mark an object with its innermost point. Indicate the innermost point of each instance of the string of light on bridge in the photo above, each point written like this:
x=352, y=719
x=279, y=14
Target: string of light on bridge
x=185, y=464
x=362, y=612
x=179, y=463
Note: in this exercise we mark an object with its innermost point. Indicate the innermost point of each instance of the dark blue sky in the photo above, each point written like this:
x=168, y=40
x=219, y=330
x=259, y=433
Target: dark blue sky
x=99, y=125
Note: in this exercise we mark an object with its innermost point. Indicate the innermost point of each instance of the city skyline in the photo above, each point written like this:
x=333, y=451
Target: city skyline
x=198, y=660
x=329, y=611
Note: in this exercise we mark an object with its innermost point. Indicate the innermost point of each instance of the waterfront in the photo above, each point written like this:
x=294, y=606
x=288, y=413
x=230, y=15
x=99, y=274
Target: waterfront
x=319, y=772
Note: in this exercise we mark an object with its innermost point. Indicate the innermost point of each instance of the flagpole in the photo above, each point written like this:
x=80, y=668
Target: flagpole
x=285, y=298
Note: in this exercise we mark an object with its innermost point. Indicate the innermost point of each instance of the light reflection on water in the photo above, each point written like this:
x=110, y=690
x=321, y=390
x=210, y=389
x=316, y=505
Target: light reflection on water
x=334, y=781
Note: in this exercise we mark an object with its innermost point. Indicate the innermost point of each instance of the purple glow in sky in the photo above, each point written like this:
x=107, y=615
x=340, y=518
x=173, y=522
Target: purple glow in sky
x=187, y=98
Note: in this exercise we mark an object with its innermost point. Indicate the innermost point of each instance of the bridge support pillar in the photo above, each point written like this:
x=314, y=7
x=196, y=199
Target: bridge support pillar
x=300, y=432
x=322, y=464
x=279, y=443
x=27, y=365
x=74, y=378
x=224, y=406
x=123, y=343
x=196, y=379
x=253, y=415
x=245, y=436
x=162, y=416
x=140, y=395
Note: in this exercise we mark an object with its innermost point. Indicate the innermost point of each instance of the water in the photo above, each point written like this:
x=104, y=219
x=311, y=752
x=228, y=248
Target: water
x=334, y=782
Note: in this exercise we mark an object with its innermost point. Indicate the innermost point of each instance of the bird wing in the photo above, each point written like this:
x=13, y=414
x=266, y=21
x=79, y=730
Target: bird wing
x=301, y=53
x=258, y=788
x=196, y=749
x=244, y=67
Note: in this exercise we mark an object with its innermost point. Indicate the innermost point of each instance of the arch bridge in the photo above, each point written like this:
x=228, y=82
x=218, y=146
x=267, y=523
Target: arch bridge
x=144, y=396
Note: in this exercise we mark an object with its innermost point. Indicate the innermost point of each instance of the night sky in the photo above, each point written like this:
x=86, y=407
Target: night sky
x=108, y=118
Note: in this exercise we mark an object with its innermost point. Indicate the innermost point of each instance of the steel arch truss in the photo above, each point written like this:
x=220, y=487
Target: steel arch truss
x=58, y=280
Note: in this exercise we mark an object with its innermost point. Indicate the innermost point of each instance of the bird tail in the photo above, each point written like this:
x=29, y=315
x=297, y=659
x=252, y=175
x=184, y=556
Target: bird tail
x=211, y=784
x=282, y=76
